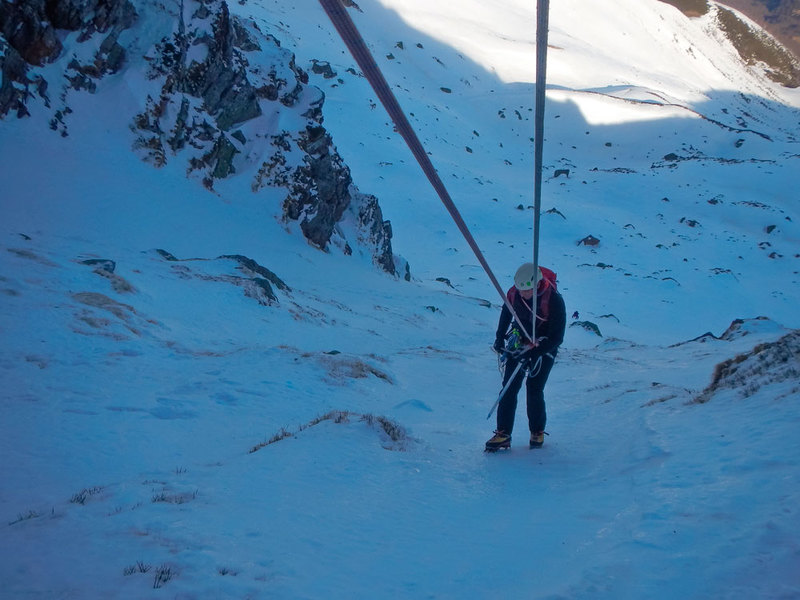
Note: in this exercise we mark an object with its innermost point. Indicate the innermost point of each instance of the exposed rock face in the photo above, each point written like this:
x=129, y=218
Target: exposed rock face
x=203, y=69
x=377, y=233
x=220, y=80
x=229, y=89
x=29, y=38
x=766, y=364
x=222, y=87
x=27, y=28
x=257, y=281
x=14, y=70
x=320, y=190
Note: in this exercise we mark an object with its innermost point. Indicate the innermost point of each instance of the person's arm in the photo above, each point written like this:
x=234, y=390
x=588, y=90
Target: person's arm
x=557, y=323
x=502, y=328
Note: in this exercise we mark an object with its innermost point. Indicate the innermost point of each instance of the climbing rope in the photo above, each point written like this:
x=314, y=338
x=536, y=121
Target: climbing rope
x=358, y=48
x=542, y=19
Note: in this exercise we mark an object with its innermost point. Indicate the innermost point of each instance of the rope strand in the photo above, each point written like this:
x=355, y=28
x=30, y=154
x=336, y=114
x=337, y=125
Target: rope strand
x=355, y=43
x=542, y=19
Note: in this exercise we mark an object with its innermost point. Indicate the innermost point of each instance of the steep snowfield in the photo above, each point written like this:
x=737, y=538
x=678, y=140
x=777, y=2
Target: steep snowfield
x=620, y=189
x=132, y=401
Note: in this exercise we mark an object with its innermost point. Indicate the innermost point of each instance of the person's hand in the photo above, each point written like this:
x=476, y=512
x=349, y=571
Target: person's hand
x=499, y=345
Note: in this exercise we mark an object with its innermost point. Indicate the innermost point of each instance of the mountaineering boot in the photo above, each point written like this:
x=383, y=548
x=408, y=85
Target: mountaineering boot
x=500, y=440
x=537, y=439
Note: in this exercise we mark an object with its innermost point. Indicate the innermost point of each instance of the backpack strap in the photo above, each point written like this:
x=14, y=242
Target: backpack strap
x=512, y=294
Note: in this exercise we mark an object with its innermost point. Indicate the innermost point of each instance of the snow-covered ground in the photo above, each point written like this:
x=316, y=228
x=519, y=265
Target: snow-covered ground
x=162, y=432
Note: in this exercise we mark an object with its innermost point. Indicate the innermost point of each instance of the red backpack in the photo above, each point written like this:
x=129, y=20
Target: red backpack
x=549, y=277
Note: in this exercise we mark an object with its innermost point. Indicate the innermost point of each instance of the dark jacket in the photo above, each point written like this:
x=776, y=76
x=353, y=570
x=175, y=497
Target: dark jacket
x=552, y=319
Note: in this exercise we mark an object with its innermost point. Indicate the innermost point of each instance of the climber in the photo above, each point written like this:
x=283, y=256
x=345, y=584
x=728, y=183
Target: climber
x=535, y=359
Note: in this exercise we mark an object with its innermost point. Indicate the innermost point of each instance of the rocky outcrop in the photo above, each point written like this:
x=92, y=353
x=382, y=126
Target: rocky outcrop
x=30, y=38
x=227, y=89
x=220, y=80
x=28, y=30
x=377, y=233
x=221, y=87
x=319, y=193
x=257, y=281
x=769, y=363
x=203, y=70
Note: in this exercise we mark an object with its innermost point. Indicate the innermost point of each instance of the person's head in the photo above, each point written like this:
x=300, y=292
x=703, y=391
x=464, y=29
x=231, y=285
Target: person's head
x=526, y=278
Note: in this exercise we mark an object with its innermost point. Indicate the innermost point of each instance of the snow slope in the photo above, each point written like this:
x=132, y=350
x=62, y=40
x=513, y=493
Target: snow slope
x=611, y=121
x=166, y=430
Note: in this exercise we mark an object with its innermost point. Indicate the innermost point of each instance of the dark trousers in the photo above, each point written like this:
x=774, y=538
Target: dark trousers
x=534, y=389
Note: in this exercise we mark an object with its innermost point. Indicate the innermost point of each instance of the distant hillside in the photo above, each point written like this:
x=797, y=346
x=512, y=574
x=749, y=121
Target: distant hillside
x=779, y=18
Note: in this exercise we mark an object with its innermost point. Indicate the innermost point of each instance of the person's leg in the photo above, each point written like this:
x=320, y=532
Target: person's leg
x=537, y=411
x=507, y=407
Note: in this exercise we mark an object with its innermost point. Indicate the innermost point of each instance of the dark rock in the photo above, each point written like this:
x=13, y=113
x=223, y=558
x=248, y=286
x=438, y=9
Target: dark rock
x=239, y=136
x=322, y=68
x=589, y=240
x=199, y=101
x=226, y=90
x=27, y=28
x=290, y=99
x=259, y=289
x=103, y=264
x=111, y=56
x=588, y=326
x=257, y=281
x=243, y=40
x=320, y=189
x=30, y=29
x=251, y=266
x=178, y=138
x=13, y=69
x=221, y=157
x=767, y=363
x=166, y=255
x=378, y=233
x=445, y=281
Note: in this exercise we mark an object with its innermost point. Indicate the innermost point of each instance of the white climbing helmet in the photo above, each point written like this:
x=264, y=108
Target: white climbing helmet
x=524, y=279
